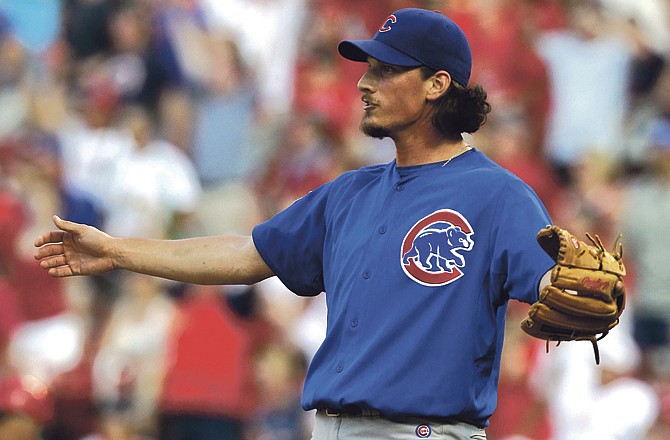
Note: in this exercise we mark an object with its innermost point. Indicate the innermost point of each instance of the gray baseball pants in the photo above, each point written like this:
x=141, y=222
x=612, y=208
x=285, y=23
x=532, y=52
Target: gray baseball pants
x=374, y=427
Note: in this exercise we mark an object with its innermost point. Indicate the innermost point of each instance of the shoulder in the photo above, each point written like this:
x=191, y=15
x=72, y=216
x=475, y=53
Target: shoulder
x=492, y=178
x=360, y=176
x=487, y=168
x=347, y=185
x=366, y=172
x=341, y=188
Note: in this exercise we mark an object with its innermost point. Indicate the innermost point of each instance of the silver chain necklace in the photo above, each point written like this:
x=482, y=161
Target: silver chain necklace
x=462, y=150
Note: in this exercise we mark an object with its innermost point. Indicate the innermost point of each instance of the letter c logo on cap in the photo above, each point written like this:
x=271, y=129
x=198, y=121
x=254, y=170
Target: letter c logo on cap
x=386, y=26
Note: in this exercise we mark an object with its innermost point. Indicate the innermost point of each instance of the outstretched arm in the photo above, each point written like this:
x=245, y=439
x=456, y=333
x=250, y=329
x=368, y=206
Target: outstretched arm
x=76, y=249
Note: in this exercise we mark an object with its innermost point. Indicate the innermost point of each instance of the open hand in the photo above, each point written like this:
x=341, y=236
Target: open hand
x=74, y=249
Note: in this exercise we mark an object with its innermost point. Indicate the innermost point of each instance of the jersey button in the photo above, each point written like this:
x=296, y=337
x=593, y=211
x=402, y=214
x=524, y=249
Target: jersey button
x=399, y=188
x=354, y=322
x=382, y=230
x=366, y=274
x=339, y=368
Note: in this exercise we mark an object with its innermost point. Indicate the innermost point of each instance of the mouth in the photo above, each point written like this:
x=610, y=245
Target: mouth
x=369, y=104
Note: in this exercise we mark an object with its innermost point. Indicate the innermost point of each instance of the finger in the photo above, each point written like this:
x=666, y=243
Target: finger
x=619, y=289
x=57, y=220
x=49, y=237
x=65, y=225
x=58, y=260
x=60, y=271
x=49, y=250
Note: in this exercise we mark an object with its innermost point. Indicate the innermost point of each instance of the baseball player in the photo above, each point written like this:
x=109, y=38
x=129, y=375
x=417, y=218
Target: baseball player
x=418, y=257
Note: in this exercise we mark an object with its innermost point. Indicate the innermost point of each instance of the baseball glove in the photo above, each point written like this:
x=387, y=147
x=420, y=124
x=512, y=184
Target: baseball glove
x=586, y=295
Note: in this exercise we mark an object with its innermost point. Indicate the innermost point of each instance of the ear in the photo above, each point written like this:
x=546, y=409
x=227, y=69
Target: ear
x=438, y=84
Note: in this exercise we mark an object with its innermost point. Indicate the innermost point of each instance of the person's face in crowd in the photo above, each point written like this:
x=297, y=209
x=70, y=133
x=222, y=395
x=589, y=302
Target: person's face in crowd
x=394, y=97
x=587, y=19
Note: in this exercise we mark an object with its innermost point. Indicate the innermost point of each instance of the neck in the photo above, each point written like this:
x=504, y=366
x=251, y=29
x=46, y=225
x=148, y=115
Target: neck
x=418, y=154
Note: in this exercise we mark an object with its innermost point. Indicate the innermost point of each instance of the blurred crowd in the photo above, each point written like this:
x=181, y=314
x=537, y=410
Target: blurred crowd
x=178, y=118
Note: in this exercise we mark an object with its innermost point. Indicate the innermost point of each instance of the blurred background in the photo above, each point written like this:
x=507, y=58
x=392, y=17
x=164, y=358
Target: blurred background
x=177, y=118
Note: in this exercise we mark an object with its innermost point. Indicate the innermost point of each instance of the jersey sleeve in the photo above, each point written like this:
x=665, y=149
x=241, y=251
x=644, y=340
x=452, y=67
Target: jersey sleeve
x=291, y=243
x=517, y=257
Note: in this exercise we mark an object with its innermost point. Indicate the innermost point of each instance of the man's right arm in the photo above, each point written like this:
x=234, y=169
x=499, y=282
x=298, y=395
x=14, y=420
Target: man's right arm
x=77, y=249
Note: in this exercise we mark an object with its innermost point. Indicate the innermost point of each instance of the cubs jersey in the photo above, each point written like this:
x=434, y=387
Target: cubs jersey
x=417, y=264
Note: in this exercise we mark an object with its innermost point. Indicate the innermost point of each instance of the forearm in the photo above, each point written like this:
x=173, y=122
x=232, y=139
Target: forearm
x=203, y=260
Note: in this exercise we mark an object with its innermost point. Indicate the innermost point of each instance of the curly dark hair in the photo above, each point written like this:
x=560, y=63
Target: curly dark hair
x=461, y=109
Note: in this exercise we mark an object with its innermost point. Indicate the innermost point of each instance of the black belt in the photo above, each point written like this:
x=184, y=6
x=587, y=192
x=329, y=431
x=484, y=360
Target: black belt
x=354, y=411
x=351, y=412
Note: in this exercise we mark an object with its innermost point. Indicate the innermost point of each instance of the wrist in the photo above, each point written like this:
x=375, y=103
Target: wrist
x=117, y=254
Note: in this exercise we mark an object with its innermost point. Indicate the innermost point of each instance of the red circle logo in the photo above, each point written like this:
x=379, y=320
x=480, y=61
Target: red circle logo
x=432, y=250
x=423, y=431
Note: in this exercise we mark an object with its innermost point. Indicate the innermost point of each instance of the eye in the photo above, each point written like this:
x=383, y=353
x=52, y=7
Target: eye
x=387, y=69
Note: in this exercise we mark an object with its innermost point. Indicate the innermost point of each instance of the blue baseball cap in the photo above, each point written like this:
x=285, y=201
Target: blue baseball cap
x=416, y=37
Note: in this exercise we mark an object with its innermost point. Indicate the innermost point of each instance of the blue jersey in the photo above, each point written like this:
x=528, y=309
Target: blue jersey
x=418, y=264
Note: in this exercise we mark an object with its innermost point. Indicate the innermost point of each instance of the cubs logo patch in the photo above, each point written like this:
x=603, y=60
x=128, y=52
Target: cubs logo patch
x=423, y=431
x=431, y=252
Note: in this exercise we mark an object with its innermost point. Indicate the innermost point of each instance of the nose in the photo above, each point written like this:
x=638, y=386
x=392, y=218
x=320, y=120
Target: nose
x=366, y=83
